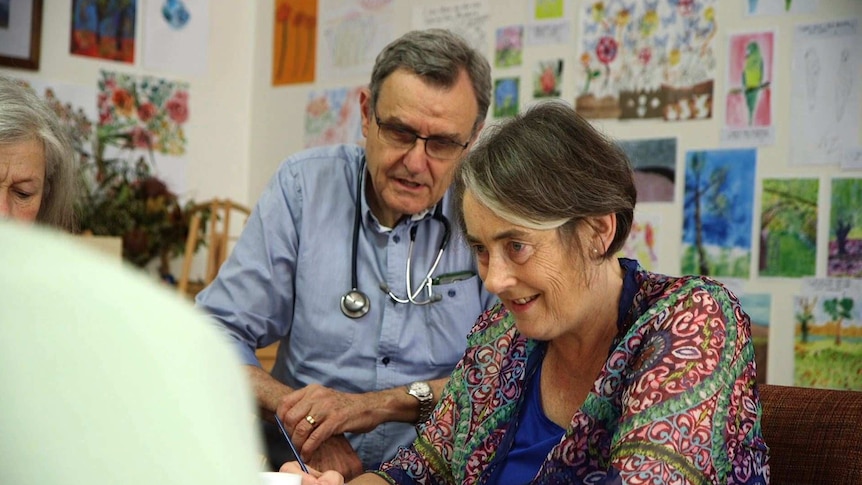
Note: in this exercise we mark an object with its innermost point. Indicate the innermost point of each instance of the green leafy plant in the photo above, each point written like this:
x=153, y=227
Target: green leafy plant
x=120, y=196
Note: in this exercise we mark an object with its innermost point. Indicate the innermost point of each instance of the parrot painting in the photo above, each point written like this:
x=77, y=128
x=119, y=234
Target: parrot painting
x=752, y=77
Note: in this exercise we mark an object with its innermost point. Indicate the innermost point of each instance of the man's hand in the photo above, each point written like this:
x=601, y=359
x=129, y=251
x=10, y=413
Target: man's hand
x=315, y=413
x=336, y=454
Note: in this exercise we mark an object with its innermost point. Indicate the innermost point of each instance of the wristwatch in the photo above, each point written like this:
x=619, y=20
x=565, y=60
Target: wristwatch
x=421, y=390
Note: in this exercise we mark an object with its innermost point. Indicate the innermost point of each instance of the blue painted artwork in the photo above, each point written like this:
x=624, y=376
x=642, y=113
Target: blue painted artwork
x=717, y=212
x=175, y=13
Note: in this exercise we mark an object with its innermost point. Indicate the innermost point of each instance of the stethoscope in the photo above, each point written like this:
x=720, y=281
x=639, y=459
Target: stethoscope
x=355, y=303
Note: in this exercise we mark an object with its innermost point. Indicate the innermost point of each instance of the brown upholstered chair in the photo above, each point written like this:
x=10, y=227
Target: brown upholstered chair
x=814, y=435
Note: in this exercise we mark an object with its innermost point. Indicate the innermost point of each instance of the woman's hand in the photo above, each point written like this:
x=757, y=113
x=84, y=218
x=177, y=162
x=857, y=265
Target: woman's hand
x=313, y=477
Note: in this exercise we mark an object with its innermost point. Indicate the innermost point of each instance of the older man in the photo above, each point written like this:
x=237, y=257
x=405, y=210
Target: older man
x=349, y=262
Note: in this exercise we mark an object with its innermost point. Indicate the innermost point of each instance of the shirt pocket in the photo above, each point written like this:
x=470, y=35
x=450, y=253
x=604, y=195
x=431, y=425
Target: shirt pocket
x=449, y=320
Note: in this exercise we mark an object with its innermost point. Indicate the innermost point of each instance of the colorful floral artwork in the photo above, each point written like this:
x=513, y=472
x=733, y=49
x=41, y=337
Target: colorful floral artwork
x=647, y=59
x=509, y=50
x=547, y=79
x=144, y=112
x=641, y=243
x=104, y=29
x=332, y=116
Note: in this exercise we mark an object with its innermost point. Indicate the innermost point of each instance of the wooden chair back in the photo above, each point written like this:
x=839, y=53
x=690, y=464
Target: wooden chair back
x=218, y=237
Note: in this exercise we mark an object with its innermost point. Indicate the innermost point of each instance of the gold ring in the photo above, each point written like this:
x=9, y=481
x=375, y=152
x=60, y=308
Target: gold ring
x=310, y=420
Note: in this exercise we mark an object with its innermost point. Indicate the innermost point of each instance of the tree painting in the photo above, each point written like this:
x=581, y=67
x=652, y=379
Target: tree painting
x=788, y=227
x=717, y=212
x=104, y=29
x=838, y=309
x=845, y=229
x=828, y=346
x=805, y=315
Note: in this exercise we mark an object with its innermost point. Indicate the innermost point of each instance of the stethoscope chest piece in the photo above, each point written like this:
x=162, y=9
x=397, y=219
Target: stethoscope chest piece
x=355, y=303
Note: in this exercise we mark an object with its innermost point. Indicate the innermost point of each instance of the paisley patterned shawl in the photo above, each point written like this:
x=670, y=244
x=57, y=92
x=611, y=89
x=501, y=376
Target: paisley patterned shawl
x=676, y=401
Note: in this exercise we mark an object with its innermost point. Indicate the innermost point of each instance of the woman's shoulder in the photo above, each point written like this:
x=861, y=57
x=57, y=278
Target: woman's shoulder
x=491, y=325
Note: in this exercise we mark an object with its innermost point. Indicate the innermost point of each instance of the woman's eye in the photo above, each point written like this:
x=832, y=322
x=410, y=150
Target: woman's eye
x=519, y=252
x=22, y=194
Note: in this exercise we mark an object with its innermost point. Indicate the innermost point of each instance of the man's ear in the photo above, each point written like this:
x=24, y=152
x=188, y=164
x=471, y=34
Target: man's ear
x=365, y=109
x=476, y=132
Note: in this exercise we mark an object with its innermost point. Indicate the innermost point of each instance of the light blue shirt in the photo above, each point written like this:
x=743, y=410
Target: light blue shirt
x=287, y=273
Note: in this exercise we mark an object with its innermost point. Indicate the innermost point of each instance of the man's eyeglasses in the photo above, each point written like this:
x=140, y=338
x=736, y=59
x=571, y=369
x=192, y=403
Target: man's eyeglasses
x=401, y=137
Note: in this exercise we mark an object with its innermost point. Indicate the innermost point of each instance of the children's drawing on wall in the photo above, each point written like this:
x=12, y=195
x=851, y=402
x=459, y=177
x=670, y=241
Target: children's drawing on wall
x=776, y=7
x=4, y=14
x=506, y=97
x=294, y=42
x=176, y=35
x=828, y=344
x=748, y=109
x=788, y=228
x=758, y=306
x=654, y=163
x=352, y=32
x=845, y=228
x=332, y=116
x=509, y=47
x=548, y=9
x=649, y=59
x=717, y=212
x=826, y=94
x=641, y=242
x=468, y=18
x=104, y=29
x=547, y=79
x=149, y=114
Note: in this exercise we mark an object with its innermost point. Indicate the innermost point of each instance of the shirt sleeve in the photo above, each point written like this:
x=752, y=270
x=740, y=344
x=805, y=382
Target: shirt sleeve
x=251, y=298
x=687, y=413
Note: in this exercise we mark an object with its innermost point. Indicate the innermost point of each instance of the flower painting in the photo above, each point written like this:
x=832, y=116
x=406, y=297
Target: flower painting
x=143, y=112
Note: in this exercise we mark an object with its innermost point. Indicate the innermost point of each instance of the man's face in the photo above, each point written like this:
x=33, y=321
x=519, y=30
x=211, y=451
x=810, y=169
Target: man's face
x=404, y=179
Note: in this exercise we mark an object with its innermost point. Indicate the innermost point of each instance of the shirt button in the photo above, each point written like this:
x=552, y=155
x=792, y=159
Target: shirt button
x=451, y=293
x=385, y=361
x=396, y=238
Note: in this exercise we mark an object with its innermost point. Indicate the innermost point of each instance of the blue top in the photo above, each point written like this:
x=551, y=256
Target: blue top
x=535, y=435
x=286, y=275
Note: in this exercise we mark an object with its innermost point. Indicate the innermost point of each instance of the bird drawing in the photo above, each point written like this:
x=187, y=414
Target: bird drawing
x=752, y=77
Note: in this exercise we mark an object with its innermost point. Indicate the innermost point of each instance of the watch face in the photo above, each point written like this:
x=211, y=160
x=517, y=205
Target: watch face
x=420, y=388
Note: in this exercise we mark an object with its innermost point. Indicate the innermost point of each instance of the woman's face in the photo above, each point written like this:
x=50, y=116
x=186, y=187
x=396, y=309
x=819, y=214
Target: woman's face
x=533, y=272
x=22, y=179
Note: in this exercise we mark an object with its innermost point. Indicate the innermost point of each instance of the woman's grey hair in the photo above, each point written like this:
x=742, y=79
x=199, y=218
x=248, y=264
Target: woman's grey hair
x=25, y=117
x=549, y=168
x=436, y=55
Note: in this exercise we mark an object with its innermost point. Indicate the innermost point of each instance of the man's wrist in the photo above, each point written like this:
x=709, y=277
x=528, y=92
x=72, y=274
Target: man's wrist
x=423, y=393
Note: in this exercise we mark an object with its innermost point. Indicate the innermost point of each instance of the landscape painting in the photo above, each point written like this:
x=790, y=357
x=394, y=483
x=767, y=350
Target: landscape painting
x=845, y=229
x=717, y=212
x=828, y=343
x=788, y=228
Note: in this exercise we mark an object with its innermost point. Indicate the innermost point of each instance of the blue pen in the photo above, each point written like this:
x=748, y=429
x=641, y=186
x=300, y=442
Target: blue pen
x=290, y=444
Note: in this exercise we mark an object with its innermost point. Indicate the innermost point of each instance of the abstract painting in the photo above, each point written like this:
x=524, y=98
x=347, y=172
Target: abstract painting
x=104, y=29
x=654, y=163
x=845, y=228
